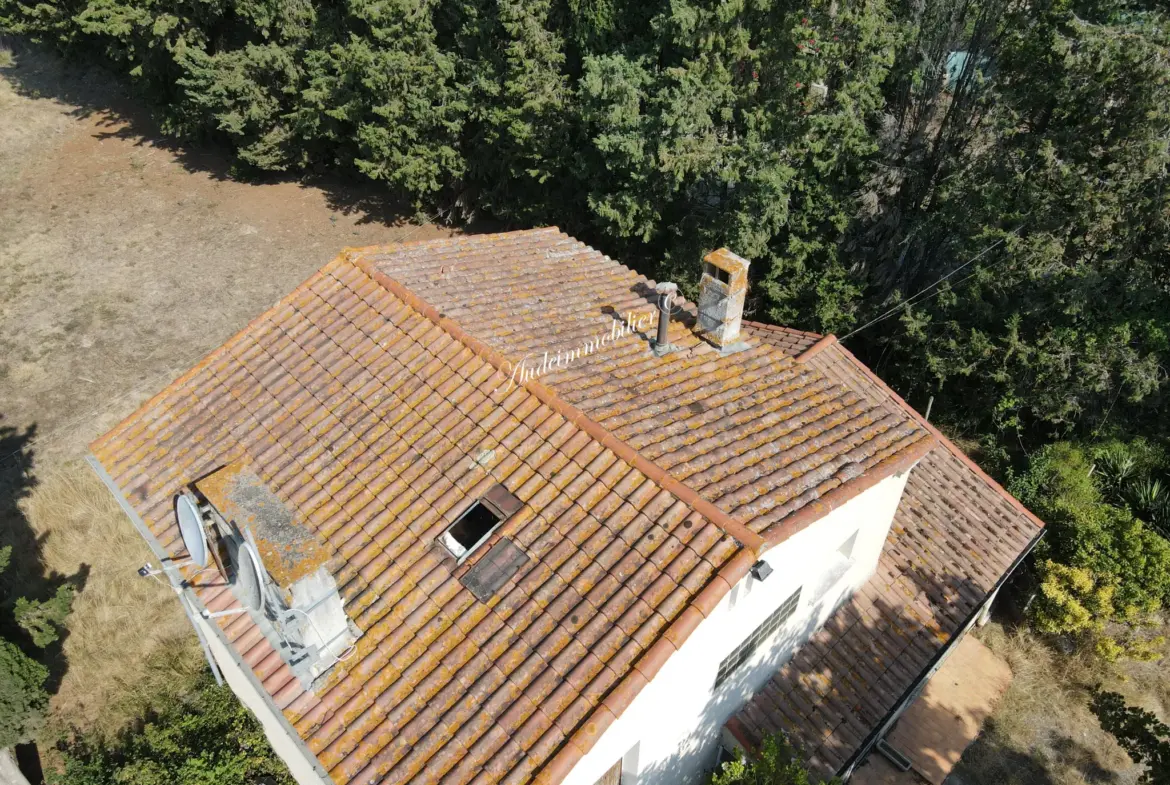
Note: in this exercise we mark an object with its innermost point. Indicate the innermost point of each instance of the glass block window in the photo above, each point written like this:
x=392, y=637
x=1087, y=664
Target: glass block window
x=743, y=651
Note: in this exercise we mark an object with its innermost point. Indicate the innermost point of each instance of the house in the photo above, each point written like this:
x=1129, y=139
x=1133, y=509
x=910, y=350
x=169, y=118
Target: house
x=481, y=522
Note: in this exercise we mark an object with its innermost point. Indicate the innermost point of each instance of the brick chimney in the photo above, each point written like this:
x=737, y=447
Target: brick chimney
x=721, y=294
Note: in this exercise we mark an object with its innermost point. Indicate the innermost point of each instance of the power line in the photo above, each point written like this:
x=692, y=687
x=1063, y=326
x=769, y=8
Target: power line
x=913, y=298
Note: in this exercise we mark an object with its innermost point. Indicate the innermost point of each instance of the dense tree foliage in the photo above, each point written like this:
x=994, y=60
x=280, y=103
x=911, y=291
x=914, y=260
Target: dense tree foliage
x=1061, y=155
x=22, y=694
x=862, y=154
x=23, y=698
x=207, y=739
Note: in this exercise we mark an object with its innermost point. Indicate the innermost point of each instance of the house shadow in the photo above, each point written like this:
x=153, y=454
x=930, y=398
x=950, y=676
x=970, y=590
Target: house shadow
x=107, y=99
x=847, y=680
x=27, y=575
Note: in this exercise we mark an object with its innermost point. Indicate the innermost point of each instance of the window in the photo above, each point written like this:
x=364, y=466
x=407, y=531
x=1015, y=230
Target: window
x=472, y=528
x=718, y=273
x=745, y=650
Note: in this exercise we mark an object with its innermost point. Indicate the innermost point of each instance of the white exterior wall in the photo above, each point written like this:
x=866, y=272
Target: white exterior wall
x=670, y=733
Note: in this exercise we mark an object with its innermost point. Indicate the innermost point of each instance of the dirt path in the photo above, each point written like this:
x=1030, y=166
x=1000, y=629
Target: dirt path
x=123, y=259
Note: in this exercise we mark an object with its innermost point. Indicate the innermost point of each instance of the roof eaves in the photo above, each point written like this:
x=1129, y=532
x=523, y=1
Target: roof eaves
x=356, y=251
x=625, y=691
x=190, y=601
x=814, y=511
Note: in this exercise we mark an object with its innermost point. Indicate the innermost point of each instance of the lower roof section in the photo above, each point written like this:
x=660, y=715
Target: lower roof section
x=955, y=536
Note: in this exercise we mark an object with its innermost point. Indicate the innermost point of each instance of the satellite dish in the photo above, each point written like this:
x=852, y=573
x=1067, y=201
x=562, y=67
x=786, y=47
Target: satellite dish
x=191, y=528
x=249, y=577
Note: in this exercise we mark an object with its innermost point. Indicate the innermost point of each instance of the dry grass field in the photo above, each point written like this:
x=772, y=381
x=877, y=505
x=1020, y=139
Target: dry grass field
x=123, y=260
x=129, y=645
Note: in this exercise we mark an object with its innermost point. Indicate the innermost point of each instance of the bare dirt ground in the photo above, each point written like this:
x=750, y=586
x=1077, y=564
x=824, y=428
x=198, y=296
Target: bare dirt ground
x=123, y=259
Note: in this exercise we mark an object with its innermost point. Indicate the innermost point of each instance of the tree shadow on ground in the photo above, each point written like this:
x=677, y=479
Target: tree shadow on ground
x=104, y=97
x=27, y=574
x=991, y=758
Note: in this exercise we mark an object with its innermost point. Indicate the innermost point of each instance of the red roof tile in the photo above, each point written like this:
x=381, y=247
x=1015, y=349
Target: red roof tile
x=756, y=433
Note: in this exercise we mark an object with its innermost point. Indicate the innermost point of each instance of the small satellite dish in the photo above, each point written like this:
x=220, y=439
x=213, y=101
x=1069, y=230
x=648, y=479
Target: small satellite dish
x=249, y=577
x=191, y=528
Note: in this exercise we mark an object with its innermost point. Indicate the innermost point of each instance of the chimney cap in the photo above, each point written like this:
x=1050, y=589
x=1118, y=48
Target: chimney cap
x=728, y=260
x=666, y=287
x=722, y=291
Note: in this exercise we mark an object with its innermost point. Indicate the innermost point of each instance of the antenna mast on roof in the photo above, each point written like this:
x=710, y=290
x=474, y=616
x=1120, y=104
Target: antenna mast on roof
x=667, y=296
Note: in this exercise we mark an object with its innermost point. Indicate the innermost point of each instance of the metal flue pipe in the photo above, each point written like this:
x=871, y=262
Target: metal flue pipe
x=666, y=295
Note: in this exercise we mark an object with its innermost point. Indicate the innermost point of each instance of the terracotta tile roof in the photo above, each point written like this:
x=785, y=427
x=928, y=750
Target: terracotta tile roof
x=378, y=411
x=363, y=415
x=755, y=432
x=955, y=534
x=791, y=342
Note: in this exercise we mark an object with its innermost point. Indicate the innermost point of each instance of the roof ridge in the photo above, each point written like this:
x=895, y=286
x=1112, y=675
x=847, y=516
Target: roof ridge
x=822, y=343
x=452, y=240
x=780, y=327
x=689, y=496
x=582, y=739
x=939, y=436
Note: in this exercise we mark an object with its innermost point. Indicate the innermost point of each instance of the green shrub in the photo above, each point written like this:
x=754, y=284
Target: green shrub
x=1098, y=563
x=22, y=695
x=43, y=621
x=774, y=763
x=22, y=679
x=207, y=739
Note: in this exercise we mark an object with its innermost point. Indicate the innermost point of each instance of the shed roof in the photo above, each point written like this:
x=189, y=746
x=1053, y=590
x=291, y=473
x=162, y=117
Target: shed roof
x=374, y=401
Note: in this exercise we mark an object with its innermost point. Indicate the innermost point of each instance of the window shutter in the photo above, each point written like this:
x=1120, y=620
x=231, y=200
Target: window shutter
x=503, y=501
